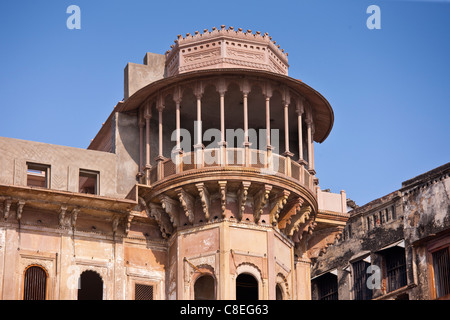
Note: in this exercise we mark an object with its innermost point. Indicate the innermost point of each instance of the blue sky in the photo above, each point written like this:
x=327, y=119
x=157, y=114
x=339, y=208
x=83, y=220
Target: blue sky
x=389, y=88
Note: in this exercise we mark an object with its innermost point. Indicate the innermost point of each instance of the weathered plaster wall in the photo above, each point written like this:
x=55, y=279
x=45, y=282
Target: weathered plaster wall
x=65, y=164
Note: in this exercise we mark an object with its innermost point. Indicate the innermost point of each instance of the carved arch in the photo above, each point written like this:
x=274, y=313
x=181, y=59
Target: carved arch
x=283, y=285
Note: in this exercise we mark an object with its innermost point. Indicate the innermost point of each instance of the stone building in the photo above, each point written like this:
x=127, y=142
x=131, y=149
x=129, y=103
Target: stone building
x=395, y=247
x=199, y=185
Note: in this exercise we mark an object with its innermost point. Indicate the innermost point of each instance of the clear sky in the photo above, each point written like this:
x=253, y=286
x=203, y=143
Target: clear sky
x=389, y=87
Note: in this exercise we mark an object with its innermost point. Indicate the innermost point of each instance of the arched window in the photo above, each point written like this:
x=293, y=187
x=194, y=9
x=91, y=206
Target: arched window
x=91, y=286
x=204, y=288
x=35, y=283
x=246, y=287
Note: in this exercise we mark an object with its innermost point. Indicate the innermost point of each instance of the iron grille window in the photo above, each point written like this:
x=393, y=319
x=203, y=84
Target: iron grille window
x=143, y=292
x=35, y=283
x=327, y=287
x=395, y=268
x=441, y=266
x=360, y=289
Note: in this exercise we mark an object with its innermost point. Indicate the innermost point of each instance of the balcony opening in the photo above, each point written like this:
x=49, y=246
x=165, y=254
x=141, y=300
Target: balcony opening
x=88, y=182
x=38, y=175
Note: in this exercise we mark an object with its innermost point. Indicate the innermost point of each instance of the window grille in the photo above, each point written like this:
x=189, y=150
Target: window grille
x=35, y=283
x=143, y=292
x=360, y=289
x=441, y=266
x=395, y=268
x=327, y=287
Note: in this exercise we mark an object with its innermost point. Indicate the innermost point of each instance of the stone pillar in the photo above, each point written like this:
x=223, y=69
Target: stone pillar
x=198, y=147
x=245, y=88
x=268, y=95
x=178, y=156
x=287, y=153
x=303, y=279
x=147, y=117
x=141, y=122
x=222, y=144
x=299, y=110
x=309, y=124
x=224, y=263
x=160, y=158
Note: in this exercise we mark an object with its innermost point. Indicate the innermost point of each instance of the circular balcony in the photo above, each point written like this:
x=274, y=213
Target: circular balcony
x=240, y=163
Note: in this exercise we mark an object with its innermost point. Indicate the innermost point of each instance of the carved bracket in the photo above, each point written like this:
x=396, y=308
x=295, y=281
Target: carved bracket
x=159, y=214
x=260, y=200
x=115, y=223
x=223, y=197
x=74, y=216
x=291, y=208
x=19, y=211
x=62, y=216
x=204, y=198
x=242, y=198
x=277, y=205
x=298, y=220
x=171, y=208
x=129, y=220
x=6, y=208
x=187, y=203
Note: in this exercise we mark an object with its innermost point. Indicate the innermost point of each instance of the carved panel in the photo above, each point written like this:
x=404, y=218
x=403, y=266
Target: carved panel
x=237, y=53
x=202, y=55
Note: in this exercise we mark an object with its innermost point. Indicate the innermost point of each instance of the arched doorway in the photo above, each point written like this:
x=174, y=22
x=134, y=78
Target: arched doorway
x=246, y=287
x=91, y=286
x=204, y=288
x=278, y=292
x=35, y=283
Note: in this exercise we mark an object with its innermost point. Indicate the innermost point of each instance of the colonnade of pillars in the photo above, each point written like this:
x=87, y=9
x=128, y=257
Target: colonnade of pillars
x=303, y=109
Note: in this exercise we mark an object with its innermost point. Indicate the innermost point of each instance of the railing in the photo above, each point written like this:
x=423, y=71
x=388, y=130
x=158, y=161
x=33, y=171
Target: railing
x=267, y=162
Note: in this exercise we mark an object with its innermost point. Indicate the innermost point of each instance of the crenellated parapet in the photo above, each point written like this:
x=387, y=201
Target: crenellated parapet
x=226, y=48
